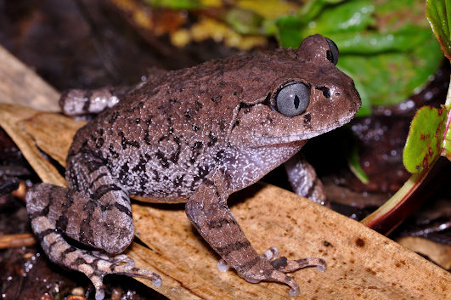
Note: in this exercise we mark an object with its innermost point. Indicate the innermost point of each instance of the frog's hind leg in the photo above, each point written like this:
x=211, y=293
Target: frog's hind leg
x=100, y=218
x=79, y=102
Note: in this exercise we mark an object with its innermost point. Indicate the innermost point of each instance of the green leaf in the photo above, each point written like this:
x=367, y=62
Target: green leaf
x=430, y=133
x=378, y=43
x=313, y=8
x=354, y=165
x=289, y=31
x=387, y=46
x=425, y=140
x=391, y=77
x=175, y=4
x=244, y=21
x=438, y=13
x=349, y=16
x=429, y=137
x=365, y=108
x=446, y=143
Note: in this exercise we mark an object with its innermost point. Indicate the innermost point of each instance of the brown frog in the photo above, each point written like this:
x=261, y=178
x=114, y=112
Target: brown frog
x=194, y=135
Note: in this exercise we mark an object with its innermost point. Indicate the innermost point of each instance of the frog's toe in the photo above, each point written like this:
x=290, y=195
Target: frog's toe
x=137, y=272
x=223, y=266
x=125, y=265
x=284, y=265
x=280, y=277
x=121, y=264
x=97, y=281
x=271, y=253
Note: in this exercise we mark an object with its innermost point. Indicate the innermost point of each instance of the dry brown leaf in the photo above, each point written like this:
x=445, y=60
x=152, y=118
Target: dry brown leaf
x=16, y=240
x=52, y=133
x=439, y=253
x=12, y=118
x=360, y=261
x=33, y=131
x=14, y=76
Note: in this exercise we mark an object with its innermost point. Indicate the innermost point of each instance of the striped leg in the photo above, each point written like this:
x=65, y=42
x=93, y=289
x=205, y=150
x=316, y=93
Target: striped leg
x=99, y=217
x=209, y=213
x=87, y=102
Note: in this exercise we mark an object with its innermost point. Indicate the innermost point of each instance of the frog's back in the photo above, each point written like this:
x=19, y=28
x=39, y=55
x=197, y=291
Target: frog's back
x=167, y=135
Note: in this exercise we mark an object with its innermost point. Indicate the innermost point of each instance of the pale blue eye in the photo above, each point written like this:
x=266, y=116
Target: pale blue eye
x=293, y=99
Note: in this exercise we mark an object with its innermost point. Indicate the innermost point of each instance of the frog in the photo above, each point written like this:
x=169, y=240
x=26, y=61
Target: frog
x=192, y=136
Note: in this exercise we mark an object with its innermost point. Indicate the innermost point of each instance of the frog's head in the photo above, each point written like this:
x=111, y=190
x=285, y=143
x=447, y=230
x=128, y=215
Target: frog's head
x=303, y=95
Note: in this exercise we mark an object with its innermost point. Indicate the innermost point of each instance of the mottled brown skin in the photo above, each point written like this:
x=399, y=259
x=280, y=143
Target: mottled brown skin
x=194, y=135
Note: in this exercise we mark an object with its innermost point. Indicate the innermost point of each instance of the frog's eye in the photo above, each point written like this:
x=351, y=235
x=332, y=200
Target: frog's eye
x=292, y=99
x=332, y=53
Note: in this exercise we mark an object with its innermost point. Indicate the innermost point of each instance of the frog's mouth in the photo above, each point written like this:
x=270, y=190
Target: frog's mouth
x=285, y=139
x=325, y=129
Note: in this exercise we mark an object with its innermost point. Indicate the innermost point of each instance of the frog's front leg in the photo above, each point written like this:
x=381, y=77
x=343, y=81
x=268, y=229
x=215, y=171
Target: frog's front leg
x=304, y=181
x=96, y=212
x=208, y=211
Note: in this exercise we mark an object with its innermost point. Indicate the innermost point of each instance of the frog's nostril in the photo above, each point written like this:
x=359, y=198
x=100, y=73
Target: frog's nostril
x=325, y=90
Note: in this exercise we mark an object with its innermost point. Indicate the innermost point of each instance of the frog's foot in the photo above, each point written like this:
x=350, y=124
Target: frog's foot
x=279, y=267
x=286, y=266
x=283, y=263
x=102, y=264
x=269, y=254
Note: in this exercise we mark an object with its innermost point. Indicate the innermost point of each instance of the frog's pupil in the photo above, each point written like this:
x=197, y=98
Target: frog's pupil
x=296, y=101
